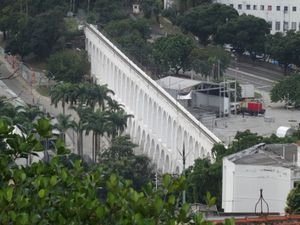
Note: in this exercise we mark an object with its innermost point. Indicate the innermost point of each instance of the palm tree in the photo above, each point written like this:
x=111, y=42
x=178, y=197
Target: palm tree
x=98, y=94
x=64, y=123
x=113, y=105
x=98, y=124
x=118, y=121
x=79, y=128
x=61, y=92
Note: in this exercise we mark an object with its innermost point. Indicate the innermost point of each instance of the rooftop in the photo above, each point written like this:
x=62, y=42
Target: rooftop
x=284, y=155
x=176, y=83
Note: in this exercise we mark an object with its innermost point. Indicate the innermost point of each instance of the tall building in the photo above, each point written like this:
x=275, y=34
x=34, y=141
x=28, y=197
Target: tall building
x=281, y=15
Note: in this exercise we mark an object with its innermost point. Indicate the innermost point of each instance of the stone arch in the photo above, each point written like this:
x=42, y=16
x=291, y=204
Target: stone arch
x=138, y=135
x=131, y=96
x=190, y=151
x=197, y=151
x=147, y=146
x=145, y=106
x=161, y=160
x=127, y=92
x=129, y=125
x=139, y=106
x=173, y=137
x=202, y=152
x=156, y=155
x=177, y=170
x=179, y=139
x=164, y=128
x=158, y=122
x=142, y=143
x=132, y=131
x=106, y=74
x=150, y=113
x=169, y=132
x=123, y=88
x=135, y=99
x=152, y=149
x=167, y=164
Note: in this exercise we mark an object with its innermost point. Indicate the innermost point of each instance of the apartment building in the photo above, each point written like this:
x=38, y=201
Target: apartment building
x=281, y=15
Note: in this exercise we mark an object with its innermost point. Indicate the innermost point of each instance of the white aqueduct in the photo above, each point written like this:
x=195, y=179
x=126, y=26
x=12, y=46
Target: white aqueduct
x=161, y=126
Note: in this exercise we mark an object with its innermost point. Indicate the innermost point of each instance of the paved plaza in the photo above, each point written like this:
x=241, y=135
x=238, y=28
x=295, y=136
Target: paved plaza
x=276, y=115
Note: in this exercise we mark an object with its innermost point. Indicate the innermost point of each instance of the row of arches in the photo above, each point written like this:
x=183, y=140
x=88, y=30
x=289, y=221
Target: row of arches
x=159, y=134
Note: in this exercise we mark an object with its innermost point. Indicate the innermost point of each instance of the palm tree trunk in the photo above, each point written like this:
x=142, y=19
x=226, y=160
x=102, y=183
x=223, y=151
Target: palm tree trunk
x=81, y=143
x=78, y=143
x=63, y=106
x=94, y=147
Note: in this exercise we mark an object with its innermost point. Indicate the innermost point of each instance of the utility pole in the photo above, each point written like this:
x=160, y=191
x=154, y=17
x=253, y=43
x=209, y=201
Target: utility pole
x=183, y=171
x=219, y=69
x=235, y=111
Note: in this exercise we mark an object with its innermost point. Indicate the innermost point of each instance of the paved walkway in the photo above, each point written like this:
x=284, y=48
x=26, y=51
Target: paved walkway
x=19, y=87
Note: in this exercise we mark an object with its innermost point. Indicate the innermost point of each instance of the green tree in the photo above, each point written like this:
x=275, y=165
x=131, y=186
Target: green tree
x=52, y=193
x=61, y=92
x=68, y=66
x=204, y=21
x=287, y=90
x=40, y=35
x=63, y=124
x=109, y=10
x=284, y=48
x=293, y=201
x=173, y=51
x=245, y=33
x=209, y=59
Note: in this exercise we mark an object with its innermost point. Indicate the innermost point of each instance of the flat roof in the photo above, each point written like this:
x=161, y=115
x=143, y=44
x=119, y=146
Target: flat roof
x=176, y=83
x=284, y=155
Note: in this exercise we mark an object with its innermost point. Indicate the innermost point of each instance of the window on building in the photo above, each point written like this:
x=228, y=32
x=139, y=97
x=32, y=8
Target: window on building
x=269, y=8
x=286, y=8
x=254, y=7
x=240, y=6
x=277, y=25
x=262, y=7
x=294, y=8
x=285, y=26
x=278, y=8
x=231, y=5
x=248, y=7
x=294, y=26
x=270, y=24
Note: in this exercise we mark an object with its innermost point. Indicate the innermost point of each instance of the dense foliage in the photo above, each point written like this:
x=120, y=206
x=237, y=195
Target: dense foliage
x=287, y=90
x=68, y=66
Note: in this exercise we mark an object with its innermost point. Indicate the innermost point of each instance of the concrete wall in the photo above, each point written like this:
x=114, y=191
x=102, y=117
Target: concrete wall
x=160, y=125
x=242, y=184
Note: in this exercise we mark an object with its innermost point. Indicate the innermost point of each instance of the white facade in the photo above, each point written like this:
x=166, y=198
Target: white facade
x=273, y=168
x=281, y=15
x=242, y=184
x=161, y=126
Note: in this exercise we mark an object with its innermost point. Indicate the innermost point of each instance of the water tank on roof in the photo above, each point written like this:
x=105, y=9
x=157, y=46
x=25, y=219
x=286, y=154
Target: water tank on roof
x=284, y=131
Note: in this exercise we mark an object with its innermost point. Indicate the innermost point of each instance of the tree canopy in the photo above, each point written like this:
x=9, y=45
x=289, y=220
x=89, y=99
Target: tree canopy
x=172, y=52
x=284, y=48
x=287, y=90
x=244, y=33
x=203, y=21
x=68, y=66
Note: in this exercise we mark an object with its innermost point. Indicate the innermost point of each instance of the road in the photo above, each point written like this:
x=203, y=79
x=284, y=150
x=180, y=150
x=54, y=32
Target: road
x=262, y=78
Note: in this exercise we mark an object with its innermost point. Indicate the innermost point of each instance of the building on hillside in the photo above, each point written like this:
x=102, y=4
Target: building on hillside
x=274, y=168
x=281, y=15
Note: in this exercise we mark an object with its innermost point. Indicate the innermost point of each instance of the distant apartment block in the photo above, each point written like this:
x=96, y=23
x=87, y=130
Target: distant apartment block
x=281, y=15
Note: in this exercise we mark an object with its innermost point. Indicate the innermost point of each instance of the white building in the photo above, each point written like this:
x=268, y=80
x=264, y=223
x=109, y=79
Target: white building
x=273, y=168
x=281, y=15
